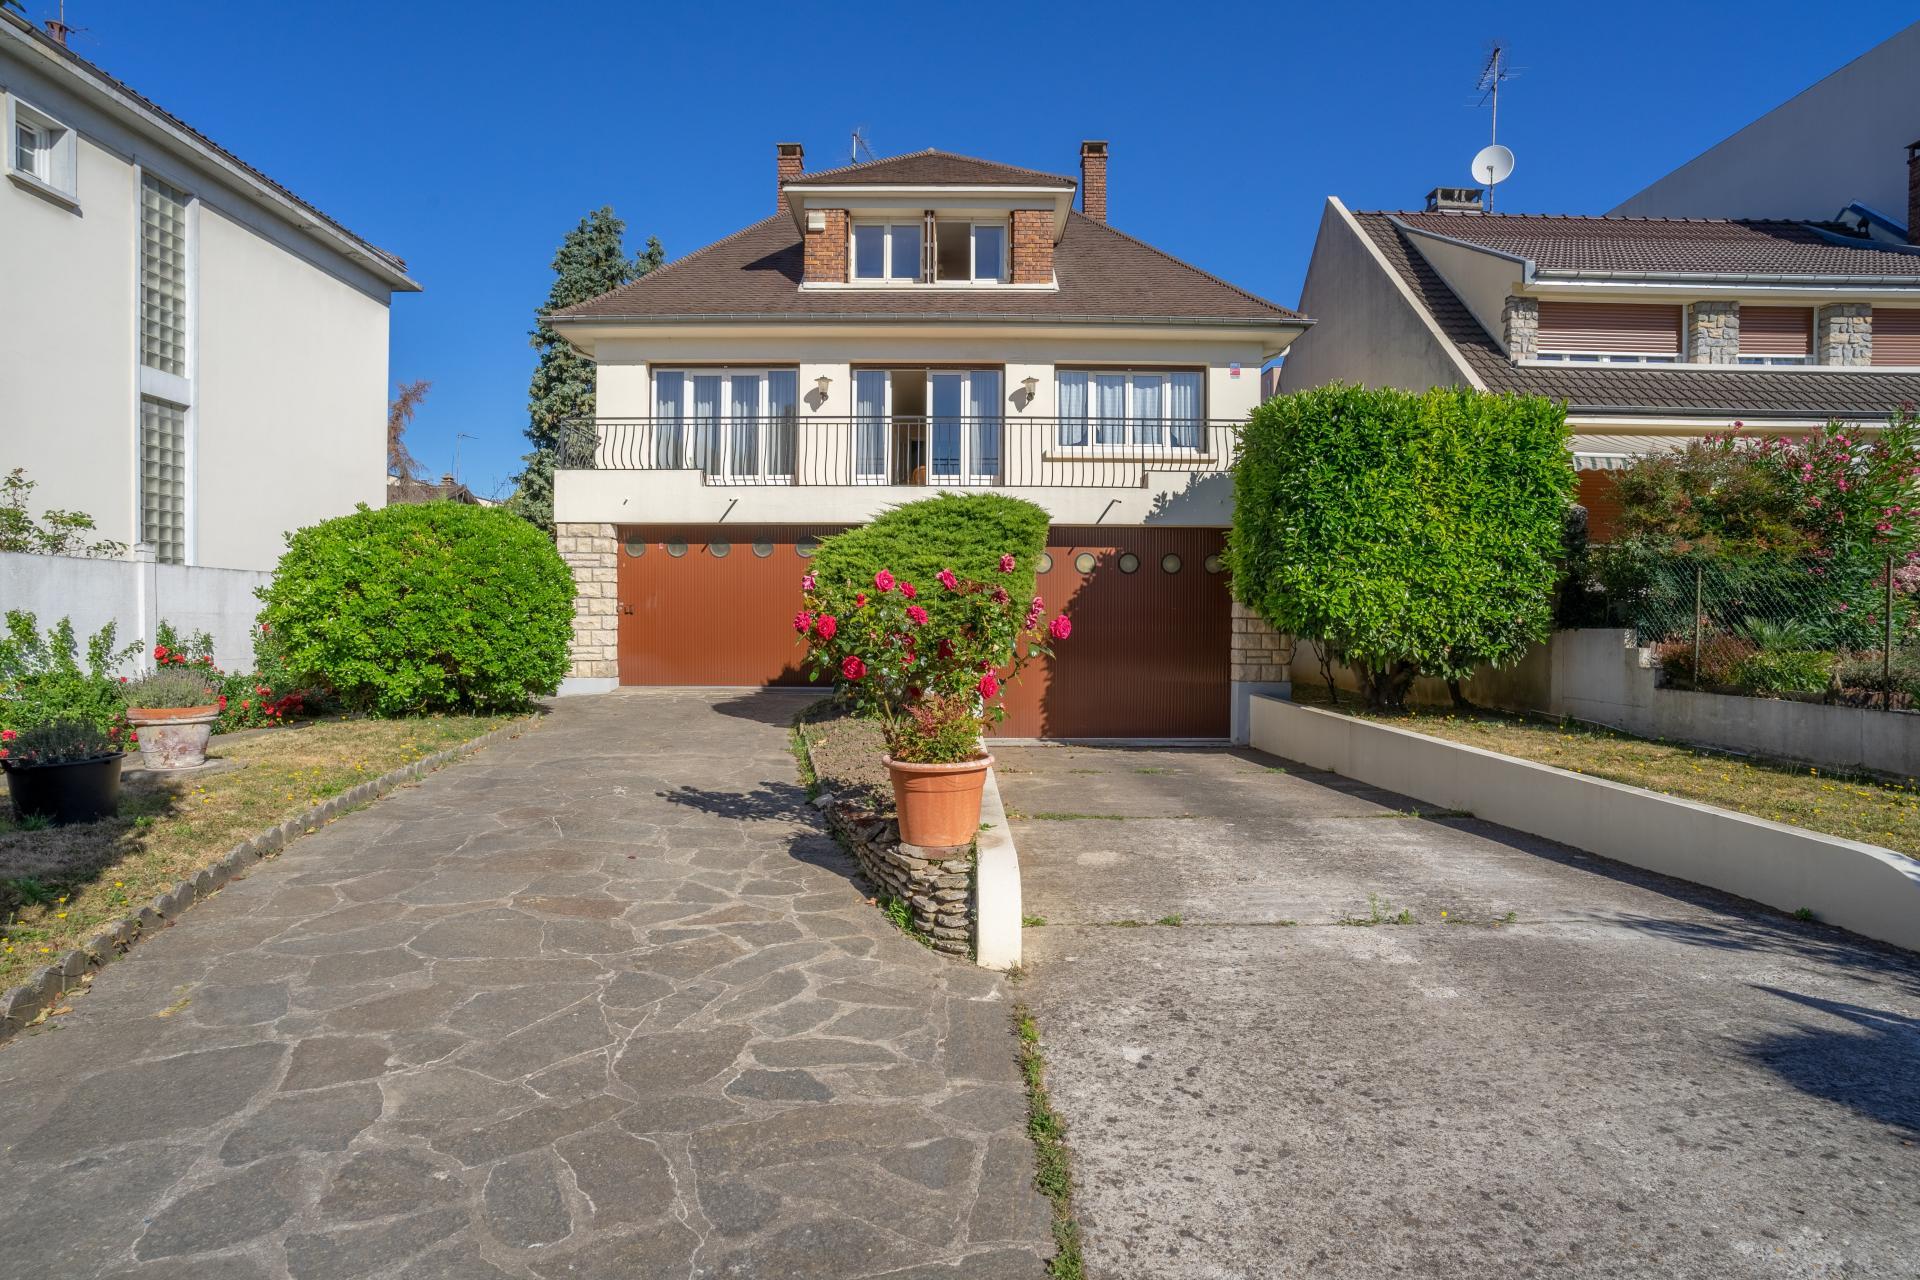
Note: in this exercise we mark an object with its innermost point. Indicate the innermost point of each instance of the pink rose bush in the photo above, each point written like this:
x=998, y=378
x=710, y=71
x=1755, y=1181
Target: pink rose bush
x=932, y=668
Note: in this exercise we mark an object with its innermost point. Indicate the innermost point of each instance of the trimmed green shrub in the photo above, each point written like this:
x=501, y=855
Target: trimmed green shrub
x=433, y=607
x=964, y=532
x=43, y=678
x=1410, y=534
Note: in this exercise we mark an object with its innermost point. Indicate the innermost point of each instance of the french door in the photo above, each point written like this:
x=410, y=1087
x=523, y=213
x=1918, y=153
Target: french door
x=963, y=426
x=737, y=425
x=956, y=441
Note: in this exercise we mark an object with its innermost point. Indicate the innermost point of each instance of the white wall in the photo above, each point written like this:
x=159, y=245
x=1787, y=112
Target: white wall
x=290, y=380
x=1365, y=329
x=1840, y=141
x=136, y=597
x=1481, y=280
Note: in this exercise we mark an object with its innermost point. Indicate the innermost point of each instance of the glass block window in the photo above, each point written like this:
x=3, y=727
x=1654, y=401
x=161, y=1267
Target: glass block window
x=163, y=277
x=163, y=480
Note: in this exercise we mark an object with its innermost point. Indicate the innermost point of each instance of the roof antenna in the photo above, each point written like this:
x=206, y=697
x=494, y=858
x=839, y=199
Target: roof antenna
x=1494, y=163
x=58, y=30
x=859, y=145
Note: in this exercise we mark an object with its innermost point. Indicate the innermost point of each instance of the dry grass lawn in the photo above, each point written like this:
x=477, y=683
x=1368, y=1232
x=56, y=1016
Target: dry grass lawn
x=59, y=886
x=1872, y=810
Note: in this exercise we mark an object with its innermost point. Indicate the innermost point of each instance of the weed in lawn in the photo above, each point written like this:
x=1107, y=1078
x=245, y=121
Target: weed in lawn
x=1153, y=771
x=1053, y=1175
x=1032, y=922
x=897, y=911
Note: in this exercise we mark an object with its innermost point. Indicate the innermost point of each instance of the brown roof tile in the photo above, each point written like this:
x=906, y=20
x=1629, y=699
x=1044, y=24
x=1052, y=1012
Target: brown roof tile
x=1104, y=275
x=1632, y=391
x=1671, y=246
x=935, y=169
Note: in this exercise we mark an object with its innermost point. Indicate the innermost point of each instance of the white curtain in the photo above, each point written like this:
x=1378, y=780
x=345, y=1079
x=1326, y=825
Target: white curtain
x=1183, y=410
x=743, y=411
x=870, y=425
x=669, y=444
x=983, y=408
x=706, y=421
x=1110, y=408
x=1147, y=408
x=783, y=420
x=1072, y=388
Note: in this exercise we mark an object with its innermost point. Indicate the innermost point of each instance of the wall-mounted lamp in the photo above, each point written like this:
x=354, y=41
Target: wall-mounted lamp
x=821, y=384
x=1030, y=385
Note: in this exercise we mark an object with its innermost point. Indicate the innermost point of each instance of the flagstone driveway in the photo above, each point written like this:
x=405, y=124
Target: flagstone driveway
x=602, y=1001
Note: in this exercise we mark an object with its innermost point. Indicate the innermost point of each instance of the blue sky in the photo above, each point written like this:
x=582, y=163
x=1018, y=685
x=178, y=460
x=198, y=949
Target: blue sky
x=469, y=137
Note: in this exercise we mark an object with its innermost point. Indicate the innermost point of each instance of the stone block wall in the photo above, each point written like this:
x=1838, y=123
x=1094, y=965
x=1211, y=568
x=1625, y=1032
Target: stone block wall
x=1843, y=334
x=592, y=552
x=826, y=250
x=1259, y=652
x=1713, y=333
x=939, y=891
x=1521, y=319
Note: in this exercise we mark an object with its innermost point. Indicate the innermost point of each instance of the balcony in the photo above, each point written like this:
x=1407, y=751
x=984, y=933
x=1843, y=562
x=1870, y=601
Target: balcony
x=1010, y=451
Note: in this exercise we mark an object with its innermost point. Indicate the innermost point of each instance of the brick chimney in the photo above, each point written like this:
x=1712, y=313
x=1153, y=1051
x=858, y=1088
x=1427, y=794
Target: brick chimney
x=57, y=31
x=788, y=161
x=1093, y=180
x=1913, y=193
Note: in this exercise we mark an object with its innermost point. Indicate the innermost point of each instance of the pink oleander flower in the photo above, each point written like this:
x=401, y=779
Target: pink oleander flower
x=989, y=685
x=883, y=581
x=947, y=580
x=1060, y=628
x=916, y=615
x=852, y=668
x=825, y=625
x=1006, y=563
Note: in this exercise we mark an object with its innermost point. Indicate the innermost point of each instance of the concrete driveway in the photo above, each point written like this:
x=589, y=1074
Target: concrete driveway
x=1549, y=1065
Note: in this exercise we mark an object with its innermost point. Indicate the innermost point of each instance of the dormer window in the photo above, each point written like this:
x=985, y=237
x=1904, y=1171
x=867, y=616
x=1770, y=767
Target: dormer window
x=1610, y=332
x=965, y=251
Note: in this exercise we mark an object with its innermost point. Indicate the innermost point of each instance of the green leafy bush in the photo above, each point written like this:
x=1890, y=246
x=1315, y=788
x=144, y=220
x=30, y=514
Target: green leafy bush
x=1410, y=534
x=43, y=678
x=1721, y=654
x=423, y=608
x=964, y=532
x=1784, y=671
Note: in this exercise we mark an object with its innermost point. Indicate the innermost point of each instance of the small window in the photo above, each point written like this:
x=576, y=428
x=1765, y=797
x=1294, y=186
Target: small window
x=969, y=252
x=41, y=150
x=1776, y=335
x=989, y=251
x=886, y=251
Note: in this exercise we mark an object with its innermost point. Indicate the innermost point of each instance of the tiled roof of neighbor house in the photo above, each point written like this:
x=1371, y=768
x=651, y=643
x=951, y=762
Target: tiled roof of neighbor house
x=1672, y=246
x=1104, y=275
x=935, y=169
x=1645, y=389
x=393, y=261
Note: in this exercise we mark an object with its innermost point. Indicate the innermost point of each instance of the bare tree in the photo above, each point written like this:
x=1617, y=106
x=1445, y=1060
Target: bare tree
x=400, y=460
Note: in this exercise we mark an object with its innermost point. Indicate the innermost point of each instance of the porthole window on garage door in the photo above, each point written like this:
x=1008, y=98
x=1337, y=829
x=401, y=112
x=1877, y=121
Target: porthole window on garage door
x=762, y=549
x=719, y=550
x=1045, y=563
x=1170, y=563
x=806, y=547
x=636, y=546
x=1215, y=564
x=1129, y=562
x=1084, y=562
x=676, y=548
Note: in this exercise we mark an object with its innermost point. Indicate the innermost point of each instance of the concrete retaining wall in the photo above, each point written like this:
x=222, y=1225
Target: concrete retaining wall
x=136, y=596
x=1600, y=676
x=1869, y=890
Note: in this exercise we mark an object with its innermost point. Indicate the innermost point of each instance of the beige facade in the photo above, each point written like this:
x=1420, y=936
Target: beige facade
x=281, y=387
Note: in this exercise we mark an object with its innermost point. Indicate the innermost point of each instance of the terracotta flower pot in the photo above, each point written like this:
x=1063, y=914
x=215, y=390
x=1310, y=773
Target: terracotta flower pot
x=173, y=737
x=938, y=804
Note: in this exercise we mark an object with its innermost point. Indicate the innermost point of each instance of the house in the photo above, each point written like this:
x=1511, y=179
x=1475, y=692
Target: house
x=193, y=355
x=1653, y=331
x=402, y=490
x=910, y=324
x=1821, y=152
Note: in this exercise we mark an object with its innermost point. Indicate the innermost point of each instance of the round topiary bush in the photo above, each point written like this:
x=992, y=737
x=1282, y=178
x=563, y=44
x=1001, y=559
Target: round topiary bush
x=435, y=607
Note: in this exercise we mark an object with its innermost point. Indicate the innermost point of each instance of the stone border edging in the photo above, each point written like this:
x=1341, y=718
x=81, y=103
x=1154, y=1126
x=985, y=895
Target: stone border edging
x=1870, y=890
x=20, y=1005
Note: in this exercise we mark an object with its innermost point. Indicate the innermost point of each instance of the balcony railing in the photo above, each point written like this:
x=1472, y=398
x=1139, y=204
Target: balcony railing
x=1010, y=451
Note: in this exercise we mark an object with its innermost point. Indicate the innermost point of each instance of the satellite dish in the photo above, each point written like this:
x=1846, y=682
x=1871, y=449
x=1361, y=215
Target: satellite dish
x=1492, y=165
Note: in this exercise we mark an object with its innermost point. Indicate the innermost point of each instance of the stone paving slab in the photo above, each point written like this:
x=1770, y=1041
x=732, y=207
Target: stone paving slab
x=602, y=1001
x=1636, y=1077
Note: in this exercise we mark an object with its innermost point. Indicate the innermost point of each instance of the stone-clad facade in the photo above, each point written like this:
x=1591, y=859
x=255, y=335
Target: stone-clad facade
x=1713, y=333
x=1260, y=654
x=1520, y=317
x=591, y=551
x=1844, y=334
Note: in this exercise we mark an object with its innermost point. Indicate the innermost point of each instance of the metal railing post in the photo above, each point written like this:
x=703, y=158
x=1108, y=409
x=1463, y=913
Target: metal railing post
x=1699, y=572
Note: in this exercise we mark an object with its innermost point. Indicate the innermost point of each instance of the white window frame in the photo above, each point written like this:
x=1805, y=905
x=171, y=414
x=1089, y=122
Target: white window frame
x=721, y=466
x=967, y=426
x=1761, y=362
x=973, y=226
x=1163, y=444
x=1605, y=357
x=887, y=278
x=60, y=180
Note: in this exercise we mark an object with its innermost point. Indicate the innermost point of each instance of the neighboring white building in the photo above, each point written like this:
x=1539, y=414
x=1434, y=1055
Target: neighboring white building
x=1836, y=144
x=189, y=352
x=922, y=322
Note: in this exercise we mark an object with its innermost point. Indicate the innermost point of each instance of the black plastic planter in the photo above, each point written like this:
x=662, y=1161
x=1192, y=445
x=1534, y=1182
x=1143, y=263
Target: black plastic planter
x=79, y=791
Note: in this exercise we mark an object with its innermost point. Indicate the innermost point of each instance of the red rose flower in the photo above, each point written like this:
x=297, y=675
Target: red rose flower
x=860, y=601
x=6, y=735
x=988, y=685
x=1060, y=628
x=917, y=615
x=825, y=625
x=884, y=581
x=907, y=590
x=947, y=580
x=803, y=622
x=946, y=648
x=852, y=668
x=159, y=651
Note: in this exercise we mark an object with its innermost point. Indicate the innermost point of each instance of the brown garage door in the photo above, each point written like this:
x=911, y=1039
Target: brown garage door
x=1149, y=656
x=712, y=604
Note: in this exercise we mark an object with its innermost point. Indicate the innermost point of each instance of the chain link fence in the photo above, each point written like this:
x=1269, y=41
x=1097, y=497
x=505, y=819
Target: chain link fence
x=1837, y=631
